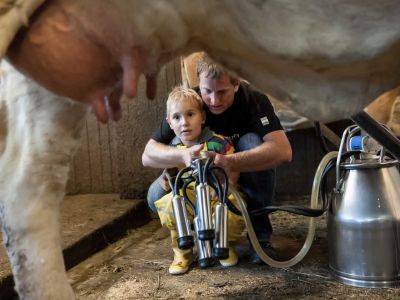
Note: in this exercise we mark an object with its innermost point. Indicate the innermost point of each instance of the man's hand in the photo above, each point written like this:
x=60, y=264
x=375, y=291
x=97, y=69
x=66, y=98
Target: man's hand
x=164, y=182
x=167, y=178
x=221, y=161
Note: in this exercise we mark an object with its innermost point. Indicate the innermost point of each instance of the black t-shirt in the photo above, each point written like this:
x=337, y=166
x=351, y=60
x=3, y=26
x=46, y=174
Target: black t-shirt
x=251, y=111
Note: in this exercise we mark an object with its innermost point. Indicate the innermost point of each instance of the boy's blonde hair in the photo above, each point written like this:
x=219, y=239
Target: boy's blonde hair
x=180, y=94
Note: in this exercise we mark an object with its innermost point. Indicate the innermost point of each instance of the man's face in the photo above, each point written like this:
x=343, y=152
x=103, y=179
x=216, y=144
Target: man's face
x=218, y=93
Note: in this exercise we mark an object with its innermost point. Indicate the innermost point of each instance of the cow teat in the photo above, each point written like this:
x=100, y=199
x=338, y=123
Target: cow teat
x=133, y=65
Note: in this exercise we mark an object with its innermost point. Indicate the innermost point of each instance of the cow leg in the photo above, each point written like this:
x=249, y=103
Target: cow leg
x=41, y=135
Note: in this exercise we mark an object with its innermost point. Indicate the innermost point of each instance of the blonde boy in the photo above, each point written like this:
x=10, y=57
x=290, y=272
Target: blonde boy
x=186, y=116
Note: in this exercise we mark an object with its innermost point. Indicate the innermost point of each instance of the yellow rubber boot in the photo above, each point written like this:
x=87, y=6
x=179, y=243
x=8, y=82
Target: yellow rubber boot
x=236, y=228
x=232, y=260
x=182, y=258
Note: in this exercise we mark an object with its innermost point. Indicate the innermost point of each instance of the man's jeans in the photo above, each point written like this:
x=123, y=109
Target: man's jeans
x=154, y=193
x=257, y=186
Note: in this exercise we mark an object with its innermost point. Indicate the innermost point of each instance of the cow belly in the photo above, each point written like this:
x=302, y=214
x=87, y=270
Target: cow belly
x=325, y=59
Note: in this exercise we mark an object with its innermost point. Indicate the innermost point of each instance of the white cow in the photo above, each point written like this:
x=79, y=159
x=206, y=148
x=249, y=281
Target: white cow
x=386, y=110
x=325, y=58
x=34, y=166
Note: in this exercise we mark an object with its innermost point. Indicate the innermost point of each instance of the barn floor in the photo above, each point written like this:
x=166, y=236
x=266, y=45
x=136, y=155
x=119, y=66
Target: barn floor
x=136, y=267
x=88, y=223
x=134, y=262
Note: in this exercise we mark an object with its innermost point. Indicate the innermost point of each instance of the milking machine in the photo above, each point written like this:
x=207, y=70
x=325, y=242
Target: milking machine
x=364, y=215
x=210, y=232
x=363, y=212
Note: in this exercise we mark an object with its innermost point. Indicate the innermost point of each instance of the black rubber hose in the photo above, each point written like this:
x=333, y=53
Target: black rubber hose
x=225, y=192
x=206, y=169
x=304, y=211
x=225, y=198
x=185, y=196
x=298, y=210
x=217, y=188
x=200, y=171
x=178, y=180
x=233, y=208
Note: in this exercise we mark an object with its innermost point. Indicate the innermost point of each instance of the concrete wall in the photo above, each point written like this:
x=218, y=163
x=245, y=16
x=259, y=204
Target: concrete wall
x=109, y=159
x=296, y=178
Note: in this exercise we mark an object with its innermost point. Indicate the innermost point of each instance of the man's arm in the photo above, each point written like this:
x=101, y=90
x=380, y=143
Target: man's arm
x=158, y=155
x=274, y=151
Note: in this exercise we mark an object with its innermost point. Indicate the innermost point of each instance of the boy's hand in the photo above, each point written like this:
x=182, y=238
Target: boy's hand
x=191, y=152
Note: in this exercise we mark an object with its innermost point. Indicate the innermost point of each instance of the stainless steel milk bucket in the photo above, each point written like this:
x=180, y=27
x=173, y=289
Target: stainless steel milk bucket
x=364, y=224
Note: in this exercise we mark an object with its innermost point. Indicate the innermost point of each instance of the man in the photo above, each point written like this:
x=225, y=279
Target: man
x=235, y=110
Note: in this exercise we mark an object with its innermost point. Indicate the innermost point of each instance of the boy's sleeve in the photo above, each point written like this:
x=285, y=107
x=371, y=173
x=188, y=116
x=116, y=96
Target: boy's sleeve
x=228, y=147
x=220, y=144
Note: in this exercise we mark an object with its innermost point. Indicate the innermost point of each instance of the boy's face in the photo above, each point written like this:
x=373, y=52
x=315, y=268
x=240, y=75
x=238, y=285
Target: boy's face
x=186, y=120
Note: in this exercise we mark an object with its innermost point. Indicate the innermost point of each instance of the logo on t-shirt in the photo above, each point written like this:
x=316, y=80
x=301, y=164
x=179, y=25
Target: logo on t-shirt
x=264, y=121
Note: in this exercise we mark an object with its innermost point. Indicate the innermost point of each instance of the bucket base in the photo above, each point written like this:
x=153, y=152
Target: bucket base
x=366, y=283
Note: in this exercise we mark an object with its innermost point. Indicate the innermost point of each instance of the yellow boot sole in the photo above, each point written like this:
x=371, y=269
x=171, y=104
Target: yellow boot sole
x=182, y=261
x=178, y=268
x=232, y=260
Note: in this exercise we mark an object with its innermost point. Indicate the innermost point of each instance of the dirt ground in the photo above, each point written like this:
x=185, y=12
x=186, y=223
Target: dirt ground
x=80, y=216
x=136, y=267
x=88, y=223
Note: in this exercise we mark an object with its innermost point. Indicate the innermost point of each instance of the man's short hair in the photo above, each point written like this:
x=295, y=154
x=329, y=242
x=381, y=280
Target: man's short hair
x=180, y=94
x=211, y=69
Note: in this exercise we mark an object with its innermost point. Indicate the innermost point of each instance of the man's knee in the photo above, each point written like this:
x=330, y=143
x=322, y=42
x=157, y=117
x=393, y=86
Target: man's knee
x=248, y=141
